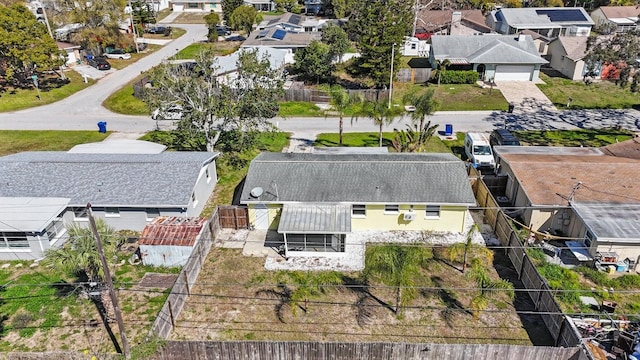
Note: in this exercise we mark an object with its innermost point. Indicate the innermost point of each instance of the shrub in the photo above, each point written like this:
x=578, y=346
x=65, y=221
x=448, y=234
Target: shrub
x=560, y=278
x=456, y=76
x=626, y=281
x=21, y=319
x=594, y=275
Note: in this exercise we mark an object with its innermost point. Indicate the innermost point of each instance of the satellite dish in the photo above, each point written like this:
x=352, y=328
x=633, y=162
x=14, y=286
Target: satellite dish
x=256, y=192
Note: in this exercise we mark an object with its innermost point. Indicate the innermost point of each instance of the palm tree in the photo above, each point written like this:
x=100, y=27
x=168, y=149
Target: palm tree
x=425, y=105
x=396, y=265
x=467, y=247
x=410, y=140
x=487, y=288
x=380, y=113
x=442, y=66
x=79, y=255
x=339, y=101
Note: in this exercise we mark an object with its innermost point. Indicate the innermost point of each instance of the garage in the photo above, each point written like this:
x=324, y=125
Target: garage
x=178, y=7
x=513, y=72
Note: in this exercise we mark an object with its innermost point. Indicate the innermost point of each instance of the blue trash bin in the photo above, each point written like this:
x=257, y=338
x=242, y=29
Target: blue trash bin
x=448, y=129
x=102, y=126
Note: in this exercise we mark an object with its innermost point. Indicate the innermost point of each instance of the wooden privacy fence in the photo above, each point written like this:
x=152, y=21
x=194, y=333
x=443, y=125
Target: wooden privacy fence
x=322, y=97
x=414, y=75
x=233, y=217
x=165, y=322
x=560, y=327
x=281, y=350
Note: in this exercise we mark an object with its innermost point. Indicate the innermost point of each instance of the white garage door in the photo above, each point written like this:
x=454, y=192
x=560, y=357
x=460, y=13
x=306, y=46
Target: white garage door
x=178, y=7
x=513, y=72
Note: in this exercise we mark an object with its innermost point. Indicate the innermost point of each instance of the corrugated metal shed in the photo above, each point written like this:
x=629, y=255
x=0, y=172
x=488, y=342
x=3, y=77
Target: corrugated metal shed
x=172, y=231
x=611, y=222
x=315, y=219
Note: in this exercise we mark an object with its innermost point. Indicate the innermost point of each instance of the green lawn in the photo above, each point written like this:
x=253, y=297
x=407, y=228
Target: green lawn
x=582, y=137
x=50, y=140
x=12, y=100
x=219, y=49
x=295, y=108
x=599, y=95
x=455, y=97
x=123, y=101
x=370, y=139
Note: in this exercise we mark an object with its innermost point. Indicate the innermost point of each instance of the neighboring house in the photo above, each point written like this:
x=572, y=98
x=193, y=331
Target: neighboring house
x=548, y=22
x=451, y=22
x=626, y=149
x=277, y=38
x=29, y=226
x=543, y=181
x=497, y=57
x=542, y=43
x=566, y=54
x=313, y=6
x=608, y=227
x=616, y=18
x=293, y=23
x=261, y=5
x=228, y=64
x=128, y=190
x=415, y=47
x=72, y=52
x=169, y=241
x=205, y=6
x=320, y=203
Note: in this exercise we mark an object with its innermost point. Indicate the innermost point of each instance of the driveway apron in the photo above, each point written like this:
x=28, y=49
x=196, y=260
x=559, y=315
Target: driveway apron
x=525, y=96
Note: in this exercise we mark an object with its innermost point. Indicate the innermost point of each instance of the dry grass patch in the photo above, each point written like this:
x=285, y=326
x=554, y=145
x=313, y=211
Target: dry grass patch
x=230, y=302
x=190, y=18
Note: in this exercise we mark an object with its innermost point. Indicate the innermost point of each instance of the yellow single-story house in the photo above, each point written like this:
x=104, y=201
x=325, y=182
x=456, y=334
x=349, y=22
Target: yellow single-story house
x=317, y=201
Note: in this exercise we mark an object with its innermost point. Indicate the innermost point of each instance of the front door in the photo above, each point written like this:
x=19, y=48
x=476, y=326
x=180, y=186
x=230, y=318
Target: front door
x=261, y=217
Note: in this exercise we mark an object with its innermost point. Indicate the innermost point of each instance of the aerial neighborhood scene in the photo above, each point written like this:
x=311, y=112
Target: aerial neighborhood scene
x=319, y=179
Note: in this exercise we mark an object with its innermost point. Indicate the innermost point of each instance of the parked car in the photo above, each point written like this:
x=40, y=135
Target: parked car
x=99, y=63
x=223, y=30
x=503, y=137
x=118, y=54
x=235, y=38
x=172, y=112
x=159, y=29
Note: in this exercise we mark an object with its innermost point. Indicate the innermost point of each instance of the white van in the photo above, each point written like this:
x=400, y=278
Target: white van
x=478, y=150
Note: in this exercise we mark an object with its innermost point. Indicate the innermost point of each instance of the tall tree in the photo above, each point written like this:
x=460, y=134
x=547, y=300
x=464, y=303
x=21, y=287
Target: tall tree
x=212, y=20
x=379, y=113
x=377, y=25
x=396, y=265
x=425, y=105
x=337, y=39
x=243, y=18
x=340, y=8
x=469, y=249
x=411, y=140
x=101, y=24
x=314, y=62
x=620, y=50
x=487, y=288
x=228, y=6
x=25, y=46
x=339, y=102
x=288, y=6
x=142, y=12
x=442, y=67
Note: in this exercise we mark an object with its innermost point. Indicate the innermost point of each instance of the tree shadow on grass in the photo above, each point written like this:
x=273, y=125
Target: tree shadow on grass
x=448, y=297
x=367, y=303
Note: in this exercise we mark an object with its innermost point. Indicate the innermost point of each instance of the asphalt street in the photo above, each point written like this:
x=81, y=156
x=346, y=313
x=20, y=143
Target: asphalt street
x=84, y=109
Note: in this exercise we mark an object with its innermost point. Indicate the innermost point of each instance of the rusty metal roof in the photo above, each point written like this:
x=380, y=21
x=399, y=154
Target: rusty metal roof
x=175, y=231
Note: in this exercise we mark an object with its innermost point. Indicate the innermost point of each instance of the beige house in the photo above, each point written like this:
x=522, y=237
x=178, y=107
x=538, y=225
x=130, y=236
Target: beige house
x=566, y=54
x=617, y=18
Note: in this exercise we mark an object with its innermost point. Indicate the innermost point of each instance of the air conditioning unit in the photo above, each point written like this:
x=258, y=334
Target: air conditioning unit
x=409, y=216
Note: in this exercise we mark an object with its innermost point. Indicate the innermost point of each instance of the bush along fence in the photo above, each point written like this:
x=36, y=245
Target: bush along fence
x=281, y=350
x=456, y=76
x=560, y=327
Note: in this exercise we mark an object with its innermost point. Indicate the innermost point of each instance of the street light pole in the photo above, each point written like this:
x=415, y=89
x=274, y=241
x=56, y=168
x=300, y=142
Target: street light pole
x=393, y=53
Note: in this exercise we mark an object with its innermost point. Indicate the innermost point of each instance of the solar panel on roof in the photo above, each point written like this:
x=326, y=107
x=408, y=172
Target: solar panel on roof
x=279, y=34
x=295, y=19
x=563, y=14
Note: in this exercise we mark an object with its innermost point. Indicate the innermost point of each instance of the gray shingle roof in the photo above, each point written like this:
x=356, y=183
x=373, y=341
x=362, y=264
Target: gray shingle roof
x=491, y=49
x=358, y=178
x=165, y=179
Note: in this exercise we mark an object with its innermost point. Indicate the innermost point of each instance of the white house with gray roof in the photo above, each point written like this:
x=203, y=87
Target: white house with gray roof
x=494, y=57
x=320, y=202
x=127, y=190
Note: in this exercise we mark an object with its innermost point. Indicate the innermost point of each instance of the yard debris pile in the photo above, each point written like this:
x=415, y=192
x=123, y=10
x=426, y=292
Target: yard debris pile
x=610, y=338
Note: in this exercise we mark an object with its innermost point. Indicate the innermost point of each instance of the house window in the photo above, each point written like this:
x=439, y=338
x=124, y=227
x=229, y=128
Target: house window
x=206, y=172
x=315, y=242
x=392, y=209
x=413, y=46
x=80, y=213
x=432, y=212
x=152, y=213
x=194, y=199
x=111, y=212
x=193, y=5
x=55, y=230
x=13, y=240
x=358, y=210
x=589, y=238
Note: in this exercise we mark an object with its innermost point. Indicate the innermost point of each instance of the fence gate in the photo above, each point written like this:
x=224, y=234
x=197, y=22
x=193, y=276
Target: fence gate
x=233, y=217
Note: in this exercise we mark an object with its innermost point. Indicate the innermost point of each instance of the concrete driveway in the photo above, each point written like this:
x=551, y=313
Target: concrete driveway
x=526, y=97
x=91, y=72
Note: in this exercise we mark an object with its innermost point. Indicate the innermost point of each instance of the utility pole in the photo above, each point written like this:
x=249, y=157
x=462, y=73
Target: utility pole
x=393, y=53
x=46, y=21
x=133, y=28
x=109, y=283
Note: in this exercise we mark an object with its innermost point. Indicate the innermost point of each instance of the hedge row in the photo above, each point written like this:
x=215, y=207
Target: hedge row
x=456, y=76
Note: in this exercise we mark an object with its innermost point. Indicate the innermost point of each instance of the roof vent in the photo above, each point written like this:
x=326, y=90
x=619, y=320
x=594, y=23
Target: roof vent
x=256, y=192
